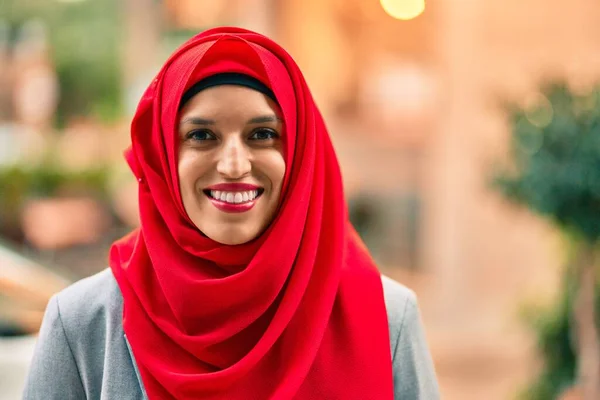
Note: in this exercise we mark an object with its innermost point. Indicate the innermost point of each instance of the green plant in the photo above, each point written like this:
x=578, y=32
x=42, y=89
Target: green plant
x=20, y=182
x=553, y=329
x=84, y=43
x=555, y=172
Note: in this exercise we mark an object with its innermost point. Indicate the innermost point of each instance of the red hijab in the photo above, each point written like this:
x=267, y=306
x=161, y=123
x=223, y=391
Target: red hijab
x=296, y=313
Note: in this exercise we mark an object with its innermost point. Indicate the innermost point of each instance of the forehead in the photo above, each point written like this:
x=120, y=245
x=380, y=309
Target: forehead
x=229, y=99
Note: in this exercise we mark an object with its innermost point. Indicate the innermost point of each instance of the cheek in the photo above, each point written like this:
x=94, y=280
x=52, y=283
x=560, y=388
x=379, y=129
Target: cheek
x=189, y=169
x=276, y=167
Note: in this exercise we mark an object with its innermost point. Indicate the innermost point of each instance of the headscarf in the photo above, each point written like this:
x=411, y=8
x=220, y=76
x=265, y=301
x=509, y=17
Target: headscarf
x=297, y=313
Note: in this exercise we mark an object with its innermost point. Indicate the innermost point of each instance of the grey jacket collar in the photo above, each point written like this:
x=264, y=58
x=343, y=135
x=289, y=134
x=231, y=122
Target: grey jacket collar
x=135, y=367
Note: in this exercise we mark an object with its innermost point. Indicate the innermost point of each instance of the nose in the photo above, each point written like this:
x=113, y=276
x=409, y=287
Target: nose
x=234, y=160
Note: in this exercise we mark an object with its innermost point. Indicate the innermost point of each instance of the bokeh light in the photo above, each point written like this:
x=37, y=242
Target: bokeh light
x=403, y=9
x=539, y=111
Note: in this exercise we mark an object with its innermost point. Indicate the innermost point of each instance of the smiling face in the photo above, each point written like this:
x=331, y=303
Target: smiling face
x=231, y=164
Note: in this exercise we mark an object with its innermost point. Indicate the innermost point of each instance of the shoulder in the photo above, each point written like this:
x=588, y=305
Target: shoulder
x=413, y=369
x=89, y=301
x=398, y=300
x=82, y=332
x=401, y=305
x=98, y=290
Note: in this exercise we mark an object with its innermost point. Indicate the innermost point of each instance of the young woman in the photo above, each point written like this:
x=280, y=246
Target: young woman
x=245, y=279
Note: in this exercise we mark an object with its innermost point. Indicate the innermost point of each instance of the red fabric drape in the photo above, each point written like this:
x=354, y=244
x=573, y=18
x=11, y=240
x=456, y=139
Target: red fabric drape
x=296, y=313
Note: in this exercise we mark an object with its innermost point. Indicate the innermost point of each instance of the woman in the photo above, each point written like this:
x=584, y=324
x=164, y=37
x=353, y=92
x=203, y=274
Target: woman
x=245, y=280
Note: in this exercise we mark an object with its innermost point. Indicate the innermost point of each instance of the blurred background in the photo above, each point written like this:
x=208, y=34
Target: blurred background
x=468, y=134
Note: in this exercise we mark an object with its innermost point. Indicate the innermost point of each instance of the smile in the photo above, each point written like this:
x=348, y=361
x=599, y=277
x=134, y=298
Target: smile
x=234, y=201
x=234, y=197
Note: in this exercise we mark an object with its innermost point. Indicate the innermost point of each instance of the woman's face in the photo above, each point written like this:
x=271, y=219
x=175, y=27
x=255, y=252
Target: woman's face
x=231, y=165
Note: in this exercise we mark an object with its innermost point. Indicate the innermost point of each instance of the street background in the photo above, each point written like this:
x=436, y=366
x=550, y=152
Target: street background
x=414, y=99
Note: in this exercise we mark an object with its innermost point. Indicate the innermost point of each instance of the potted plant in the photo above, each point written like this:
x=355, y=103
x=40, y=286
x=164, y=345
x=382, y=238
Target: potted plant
x=51, y=207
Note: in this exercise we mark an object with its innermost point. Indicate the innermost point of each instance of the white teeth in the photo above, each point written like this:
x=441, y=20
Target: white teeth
x=234, y=197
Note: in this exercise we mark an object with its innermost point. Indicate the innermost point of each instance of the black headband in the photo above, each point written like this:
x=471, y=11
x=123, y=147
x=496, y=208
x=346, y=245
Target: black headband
x=226, y=78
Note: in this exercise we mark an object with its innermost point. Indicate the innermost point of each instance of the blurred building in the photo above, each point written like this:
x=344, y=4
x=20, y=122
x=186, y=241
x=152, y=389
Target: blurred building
x=414, y=107
x=414, y=110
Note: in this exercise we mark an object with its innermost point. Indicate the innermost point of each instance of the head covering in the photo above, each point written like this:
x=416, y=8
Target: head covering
x=227, y=78
x=296, y=313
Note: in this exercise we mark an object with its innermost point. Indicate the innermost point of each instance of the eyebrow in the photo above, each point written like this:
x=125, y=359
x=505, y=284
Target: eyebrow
x=264, y=118
x=256, y=120
x=197, y=121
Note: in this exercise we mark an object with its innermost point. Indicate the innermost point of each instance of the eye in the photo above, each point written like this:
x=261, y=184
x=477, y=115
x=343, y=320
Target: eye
x=263, y=134
x=200, y=135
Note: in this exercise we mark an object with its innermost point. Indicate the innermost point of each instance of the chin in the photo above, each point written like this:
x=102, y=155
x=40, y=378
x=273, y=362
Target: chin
x=231, y=237
x=232, y=241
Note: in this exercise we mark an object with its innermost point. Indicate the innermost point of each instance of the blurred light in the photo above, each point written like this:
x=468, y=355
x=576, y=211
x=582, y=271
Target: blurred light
x=539, y=111
x=404, y=90
x=584, y=103
x=403, y=9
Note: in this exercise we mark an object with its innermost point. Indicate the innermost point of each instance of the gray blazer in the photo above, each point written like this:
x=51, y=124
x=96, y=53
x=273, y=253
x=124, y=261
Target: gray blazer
x=82, y=352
